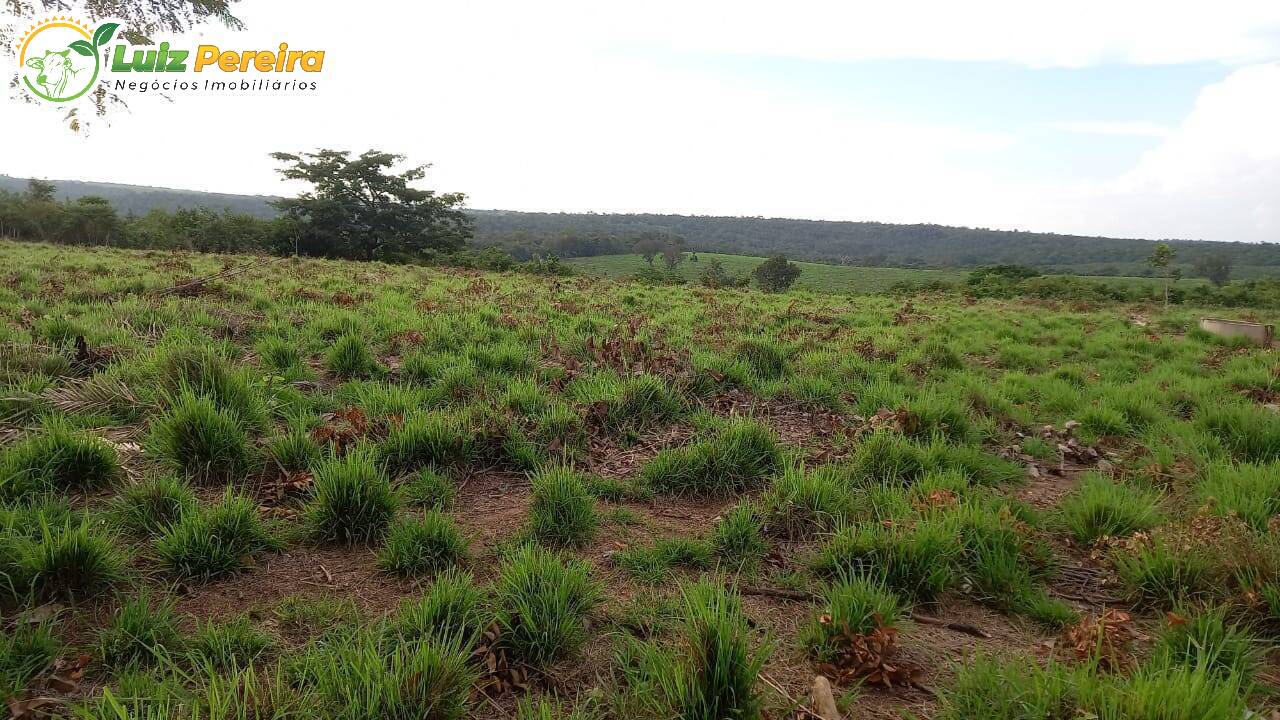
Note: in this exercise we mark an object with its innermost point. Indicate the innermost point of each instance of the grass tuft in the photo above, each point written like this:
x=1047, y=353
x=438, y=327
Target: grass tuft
x=542, y=604
x=199, y=439
x=1100, y=506
x=216, y=541
x=352, y=502
x=59, y=459
x=421, y=546
x=563, y=512
x=739, y=458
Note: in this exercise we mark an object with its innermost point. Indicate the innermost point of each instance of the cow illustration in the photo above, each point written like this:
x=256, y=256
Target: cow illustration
x=55, y=71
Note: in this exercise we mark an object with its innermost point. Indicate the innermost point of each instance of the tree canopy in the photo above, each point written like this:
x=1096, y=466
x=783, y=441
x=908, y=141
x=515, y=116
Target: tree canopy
x=360, y=208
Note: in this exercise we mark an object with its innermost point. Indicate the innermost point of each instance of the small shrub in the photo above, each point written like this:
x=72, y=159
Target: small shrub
x=214, y=541
x=852, y=605
x=352, y=501
x=911, y=559
x=563, y=512
x=418, y=547
x=429, y=488
x=58, y=459
x=148, y=507
x=739, y=458
x=1101, y=507
x=201, y=440
x=349, y=357
x=143, y=632
x=542, y=605
x=227, y=646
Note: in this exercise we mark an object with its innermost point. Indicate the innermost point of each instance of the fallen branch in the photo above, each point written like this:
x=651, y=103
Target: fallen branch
x=965, y=628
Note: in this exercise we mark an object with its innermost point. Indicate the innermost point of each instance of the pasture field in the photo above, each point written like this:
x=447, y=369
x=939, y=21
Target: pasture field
x=234, y=487
x=820, y=277
x=817, y=277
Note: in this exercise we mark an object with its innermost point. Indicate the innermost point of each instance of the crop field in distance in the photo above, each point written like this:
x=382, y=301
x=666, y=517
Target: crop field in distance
x=818, y=277
x=239, y=487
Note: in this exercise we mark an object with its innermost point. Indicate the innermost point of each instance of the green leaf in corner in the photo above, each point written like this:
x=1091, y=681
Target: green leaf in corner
x=104, y=33
x=82, y=47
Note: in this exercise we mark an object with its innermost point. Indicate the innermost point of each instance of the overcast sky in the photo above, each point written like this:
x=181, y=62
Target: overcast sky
x=1110, y=117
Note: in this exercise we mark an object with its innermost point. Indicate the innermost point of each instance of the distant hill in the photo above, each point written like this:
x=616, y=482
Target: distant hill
x=870, y=244
x=139, y=199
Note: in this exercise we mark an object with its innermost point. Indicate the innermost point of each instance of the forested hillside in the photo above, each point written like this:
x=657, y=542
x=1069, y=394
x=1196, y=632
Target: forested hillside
x=528, y=234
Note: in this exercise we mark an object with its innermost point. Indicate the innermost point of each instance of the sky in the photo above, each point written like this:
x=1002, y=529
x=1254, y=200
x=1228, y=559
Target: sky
x=1130, y=118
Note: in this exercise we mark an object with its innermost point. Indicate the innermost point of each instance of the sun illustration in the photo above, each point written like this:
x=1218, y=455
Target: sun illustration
x=59, y=57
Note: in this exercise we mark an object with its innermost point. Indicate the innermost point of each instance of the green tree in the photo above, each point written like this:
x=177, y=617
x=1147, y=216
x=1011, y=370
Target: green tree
x=1216, y=267
x=358, y=208
x=776, y=274
x=673, y=252
x=1160, y=260
x=90, y=220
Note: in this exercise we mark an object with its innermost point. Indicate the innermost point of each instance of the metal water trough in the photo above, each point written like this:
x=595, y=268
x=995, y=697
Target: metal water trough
x=1257, y=333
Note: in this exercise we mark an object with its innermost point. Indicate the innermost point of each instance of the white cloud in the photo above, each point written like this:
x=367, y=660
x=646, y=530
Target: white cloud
x=1140, y=129
x=565, y=106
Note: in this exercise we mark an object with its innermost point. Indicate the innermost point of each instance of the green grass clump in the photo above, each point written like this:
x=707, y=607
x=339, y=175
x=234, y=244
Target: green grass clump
x=1163, y=576
x=1100, y=506
x=349, y=357
x=74, y=560
x=544, y=709
x=148, y=507
x=25, y=651
x=199, y=439
x=768, y=359
x=352, y=501
x=1250, y=491
x=713, y=672
x=640, y=403
x=800, y=505
x=453, y=607
x=429, y=488
x=851, y=605
x=542, y=603
x=1172, y=693
x=214, y=541
x=227, y=645
x=359, y=679
x=913, y=559
x=421, y=546
x=59, y=459
x=294, y=451
x=563, y=511
x=1251, y=434
x=739, y=458
x=1010, y=689
x=143, y=632
x=888, y=458
x=654, y=563
x=737, y=539
x=204, y=372
x=425, y=440
x=1209, y=639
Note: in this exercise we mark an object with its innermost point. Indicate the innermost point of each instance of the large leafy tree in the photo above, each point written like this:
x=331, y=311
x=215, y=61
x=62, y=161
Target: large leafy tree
x=360, y=208
x=143, y=20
